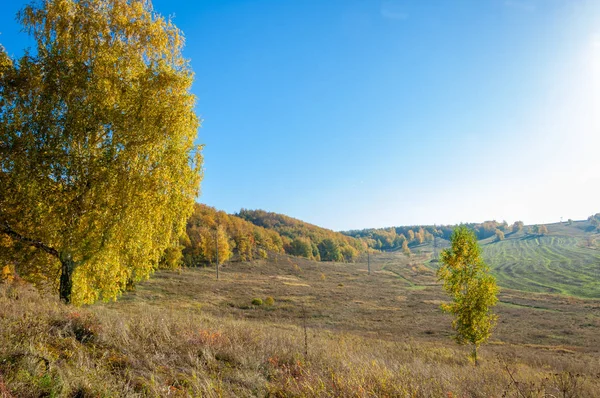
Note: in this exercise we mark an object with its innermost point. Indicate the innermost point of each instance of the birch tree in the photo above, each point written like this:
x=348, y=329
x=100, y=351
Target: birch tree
x=98, y=166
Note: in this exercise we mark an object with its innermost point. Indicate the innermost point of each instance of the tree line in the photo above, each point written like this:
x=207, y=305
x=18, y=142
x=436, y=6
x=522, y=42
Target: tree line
x=252, y=234
x=406, y=237
x=209, y=230
x=306, y=240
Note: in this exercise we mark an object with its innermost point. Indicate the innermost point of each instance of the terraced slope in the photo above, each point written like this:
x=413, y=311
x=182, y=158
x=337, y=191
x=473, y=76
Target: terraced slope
x=545, y=264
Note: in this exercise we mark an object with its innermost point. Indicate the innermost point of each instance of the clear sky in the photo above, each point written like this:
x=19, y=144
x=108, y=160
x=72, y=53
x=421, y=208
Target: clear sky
x=353, y=114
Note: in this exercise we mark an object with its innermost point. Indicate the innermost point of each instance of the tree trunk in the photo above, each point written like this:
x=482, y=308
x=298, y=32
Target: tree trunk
x=474, y=354
x=66, y=278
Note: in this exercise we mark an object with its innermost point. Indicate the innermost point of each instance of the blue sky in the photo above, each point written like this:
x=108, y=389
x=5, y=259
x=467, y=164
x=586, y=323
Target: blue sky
x=353, y=114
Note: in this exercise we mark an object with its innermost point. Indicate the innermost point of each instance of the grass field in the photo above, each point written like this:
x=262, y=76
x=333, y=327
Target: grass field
x=565, y=261
x=548, y=264
x=332, y=330
x=400, y=300
x=187, y=334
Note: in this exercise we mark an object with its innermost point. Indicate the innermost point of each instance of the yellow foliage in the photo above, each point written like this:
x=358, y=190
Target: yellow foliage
x=473, y=290
x=236, y=236
x=107, y=171
x=6, y=275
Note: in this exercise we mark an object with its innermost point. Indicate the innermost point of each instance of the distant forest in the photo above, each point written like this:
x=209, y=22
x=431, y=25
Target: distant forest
x=395, y=237
x=251, y=234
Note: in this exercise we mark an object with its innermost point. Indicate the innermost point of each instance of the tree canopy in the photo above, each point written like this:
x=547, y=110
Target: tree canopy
x=98, y=167
x=237, y=237
x=326, y=245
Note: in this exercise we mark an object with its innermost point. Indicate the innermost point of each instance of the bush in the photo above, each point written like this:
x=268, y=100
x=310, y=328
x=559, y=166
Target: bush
x=257, y=301
x=269, y=301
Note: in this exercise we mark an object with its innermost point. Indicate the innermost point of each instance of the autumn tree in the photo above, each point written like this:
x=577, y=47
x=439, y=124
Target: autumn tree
x=98, y=168
x=517, y=226
x=499, y=235
x=301, y=247
x=349, y=253
x=542, y=230
x=216, y=239
x=329, y=250
x=420, y=235
x=473, y=290
x=405, y=248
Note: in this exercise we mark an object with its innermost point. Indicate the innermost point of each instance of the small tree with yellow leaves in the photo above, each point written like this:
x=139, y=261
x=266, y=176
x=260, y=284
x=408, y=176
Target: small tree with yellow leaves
x=472, y=289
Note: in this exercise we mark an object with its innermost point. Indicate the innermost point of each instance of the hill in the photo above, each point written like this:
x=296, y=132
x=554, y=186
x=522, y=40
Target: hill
x=251, y=234
x=208, y=229
x=565, y=259
x=307, y=240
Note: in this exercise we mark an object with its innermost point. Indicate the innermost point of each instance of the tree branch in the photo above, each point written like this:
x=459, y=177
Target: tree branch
x=6, y=228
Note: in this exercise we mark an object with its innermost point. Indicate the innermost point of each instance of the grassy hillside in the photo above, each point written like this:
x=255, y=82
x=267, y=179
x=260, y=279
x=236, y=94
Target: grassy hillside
x=566, y=260
x=186, y=334
x=286, y=326
x=549, y=264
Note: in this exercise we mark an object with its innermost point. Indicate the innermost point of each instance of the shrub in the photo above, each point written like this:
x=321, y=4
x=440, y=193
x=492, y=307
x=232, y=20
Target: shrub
x=269, y=301
x=6, y=275
x=257, y=301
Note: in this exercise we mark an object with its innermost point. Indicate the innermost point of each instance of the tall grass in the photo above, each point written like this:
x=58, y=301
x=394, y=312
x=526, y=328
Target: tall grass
x=49, y=349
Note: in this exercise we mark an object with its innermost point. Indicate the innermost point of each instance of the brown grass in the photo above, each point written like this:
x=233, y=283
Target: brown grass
x=185, y=334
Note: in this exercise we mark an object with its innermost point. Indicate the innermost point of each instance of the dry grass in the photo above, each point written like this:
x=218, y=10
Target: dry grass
x=184, y=334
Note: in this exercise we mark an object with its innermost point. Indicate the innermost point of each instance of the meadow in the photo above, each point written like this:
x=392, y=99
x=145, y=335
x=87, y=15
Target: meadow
x=331, y=329
x=565, y=261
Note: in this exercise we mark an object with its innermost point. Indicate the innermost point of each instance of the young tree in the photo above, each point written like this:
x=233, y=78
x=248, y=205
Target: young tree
x=216, y=238
x=405, y=248
x=542, y=230
x=98, y=168
x=473, y=290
